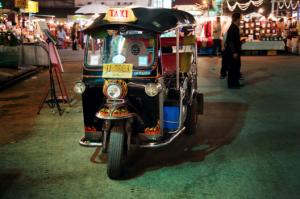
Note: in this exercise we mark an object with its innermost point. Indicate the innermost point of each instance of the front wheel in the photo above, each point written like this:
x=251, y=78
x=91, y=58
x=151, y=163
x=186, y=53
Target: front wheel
x=116, y=150
x=192, y=118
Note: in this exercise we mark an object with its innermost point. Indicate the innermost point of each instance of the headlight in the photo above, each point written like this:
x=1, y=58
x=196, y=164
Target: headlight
x=79, y=87
x=153, y=89
x=114, y=90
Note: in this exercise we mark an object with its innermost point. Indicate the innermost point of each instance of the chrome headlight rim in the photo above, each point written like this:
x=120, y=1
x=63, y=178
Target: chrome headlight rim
x=83, y=86
x=114, y=84
x=158, y=86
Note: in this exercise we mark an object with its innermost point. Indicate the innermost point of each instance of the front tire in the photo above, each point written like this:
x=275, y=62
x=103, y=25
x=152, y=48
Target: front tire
x=192, y=118
x=116, y=151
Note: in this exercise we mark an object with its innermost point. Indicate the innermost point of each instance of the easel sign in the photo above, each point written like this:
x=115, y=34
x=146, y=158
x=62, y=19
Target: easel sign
x=55, y=59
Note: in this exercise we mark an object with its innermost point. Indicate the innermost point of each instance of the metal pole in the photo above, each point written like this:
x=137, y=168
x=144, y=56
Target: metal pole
x=196, y=54
x=93, y=47
x=272, y=7
x=177, y=58
x=277, y=10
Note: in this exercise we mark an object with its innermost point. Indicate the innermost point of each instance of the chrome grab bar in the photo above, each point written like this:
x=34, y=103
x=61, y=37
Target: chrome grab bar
x=83, y=142
x=168, y=141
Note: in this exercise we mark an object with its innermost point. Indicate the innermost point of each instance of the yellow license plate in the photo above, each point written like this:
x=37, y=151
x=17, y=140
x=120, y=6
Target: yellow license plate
x=117, y=71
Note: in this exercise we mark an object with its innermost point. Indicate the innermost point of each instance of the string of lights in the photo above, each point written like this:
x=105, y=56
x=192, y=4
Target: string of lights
x=290, y=4
x=244, y=6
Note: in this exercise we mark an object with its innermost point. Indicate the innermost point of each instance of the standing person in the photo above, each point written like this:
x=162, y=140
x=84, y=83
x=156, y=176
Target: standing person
x=61, y=33
x=73, y=36
x=280, y=27
x=185, y=32
x=217, y=36
x=224, y=67
x=62, y=36
x=233, y=52
x=225, y=64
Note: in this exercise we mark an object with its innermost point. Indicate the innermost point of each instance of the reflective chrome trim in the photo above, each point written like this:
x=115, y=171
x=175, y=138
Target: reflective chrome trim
x=115, y=101
x=118, y=85
x=177, y=58
x=121, y=117
x=193, y=96
x=135, y=84
x=171, y=122
x=161, y=104
x=182, y=94
x=167, y=141
x=83, y=142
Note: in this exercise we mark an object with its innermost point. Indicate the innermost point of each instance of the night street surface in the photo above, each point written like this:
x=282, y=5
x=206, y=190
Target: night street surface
x=247, y=145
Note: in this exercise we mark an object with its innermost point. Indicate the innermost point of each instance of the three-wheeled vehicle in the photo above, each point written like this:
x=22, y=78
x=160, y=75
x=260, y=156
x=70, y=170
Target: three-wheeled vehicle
x=137, y=88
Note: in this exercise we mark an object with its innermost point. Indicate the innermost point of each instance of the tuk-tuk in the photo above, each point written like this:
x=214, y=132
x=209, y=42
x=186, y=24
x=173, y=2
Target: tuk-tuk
x=137, y=87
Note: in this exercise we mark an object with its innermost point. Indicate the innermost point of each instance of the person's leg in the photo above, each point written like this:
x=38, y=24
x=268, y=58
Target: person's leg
x=73, y=43
x=233, y=73
x=214, y=48
x=224, y=67
x=236, y=71
x=240, y=75
x=219, y=46
x=230, y=72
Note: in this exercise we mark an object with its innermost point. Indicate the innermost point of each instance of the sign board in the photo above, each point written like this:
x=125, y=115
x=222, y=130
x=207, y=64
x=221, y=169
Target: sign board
x=21, y=3
x=78, y=16
x=33, y=7
x=120, y=15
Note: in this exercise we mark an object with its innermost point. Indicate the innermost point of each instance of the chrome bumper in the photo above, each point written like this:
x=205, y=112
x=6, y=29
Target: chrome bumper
x=83, y=142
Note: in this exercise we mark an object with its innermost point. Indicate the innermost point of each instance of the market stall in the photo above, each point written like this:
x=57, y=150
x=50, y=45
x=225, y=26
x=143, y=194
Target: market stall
x=205, y=26
x=261, y=34
x=263, y=45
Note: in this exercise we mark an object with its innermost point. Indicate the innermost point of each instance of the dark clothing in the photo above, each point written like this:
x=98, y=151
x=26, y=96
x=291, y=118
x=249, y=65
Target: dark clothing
x=233, y=45
x=233, y=40
x=73, y=43
x=216, y=44
x=234, y=72
x=73, y=32
x=185, y=31
x=225, y=64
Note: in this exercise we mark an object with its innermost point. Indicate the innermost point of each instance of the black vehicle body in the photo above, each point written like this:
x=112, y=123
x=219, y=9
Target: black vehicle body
x=136, y=117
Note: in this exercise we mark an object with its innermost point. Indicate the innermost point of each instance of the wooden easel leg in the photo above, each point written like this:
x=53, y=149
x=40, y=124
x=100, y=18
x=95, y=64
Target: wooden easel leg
x=63, y=84
x=44, y=94
x=62, y=95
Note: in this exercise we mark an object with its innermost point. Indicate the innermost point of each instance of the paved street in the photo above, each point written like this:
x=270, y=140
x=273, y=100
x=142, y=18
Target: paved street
x=247, y=146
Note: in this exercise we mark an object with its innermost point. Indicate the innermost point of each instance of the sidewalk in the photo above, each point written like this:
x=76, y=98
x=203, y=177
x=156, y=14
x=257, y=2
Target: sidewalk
x=9, y=76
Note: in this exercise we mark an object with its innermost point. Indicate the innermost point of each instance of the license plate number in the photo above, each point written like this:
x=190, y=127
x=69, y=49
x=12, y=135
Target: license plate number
x=117, y=71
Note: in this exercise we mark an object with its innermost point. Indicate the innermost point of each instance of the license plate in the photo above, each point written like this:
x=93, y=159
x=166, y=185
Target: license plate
x=117, y=71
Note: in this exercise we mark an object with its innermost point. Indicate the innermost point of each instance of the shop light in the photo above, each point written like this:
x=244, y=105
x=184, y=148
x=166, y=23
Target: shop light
x=260, y=10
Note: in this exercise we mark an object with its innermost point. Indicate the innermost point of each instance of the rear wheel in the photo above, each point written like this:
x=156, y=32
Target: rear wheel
x=116, y=151
x=192, y=118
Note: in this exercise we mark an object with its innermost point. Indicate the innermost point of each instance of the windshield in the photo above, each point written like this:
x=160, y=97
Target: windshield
x=131, y=47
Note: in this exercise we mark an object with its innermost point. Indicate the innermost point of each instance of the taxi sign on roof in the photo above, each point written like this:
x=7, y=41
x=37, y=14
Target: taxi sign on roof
x=120, y=15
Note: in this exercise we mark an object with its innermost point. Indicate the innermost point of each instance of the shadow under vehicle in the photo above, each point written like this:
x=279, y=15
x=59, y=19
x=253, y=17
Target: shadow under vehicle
x=135, y=91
